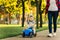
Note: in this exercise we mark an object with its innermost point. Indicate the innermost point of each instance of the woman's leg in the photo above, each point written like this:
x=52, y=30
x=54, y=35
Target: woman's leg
x=55, y=16
x=50, y=21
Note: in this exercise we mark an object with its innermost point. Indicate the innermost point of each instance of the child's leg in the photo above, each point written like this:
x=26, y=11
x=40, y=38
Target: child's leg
x=34, y=30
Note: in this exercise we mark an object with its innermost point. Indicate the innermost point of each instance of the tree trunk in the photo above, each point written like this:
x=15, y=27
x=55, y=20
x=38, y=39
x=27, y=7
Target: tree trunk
x=37, y=11
x=23, y=13
x=40, y=12
x=9, y=18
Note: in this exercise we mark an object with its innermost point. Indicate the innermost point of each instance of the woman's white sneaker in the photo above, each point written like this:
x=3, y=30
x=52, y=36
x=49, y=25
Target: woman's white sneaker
x=50, y=35
x=54, y=34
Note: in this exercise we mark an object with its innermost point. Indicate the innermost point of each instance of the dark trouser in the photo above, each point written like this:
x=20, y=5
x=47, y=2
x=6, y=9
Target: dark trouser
x=54, y=15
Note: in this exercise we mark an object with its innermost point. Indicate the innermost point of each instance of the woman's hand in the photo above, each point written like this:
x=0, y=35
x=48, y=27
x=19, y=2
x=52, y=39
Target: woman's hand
x=59, y=14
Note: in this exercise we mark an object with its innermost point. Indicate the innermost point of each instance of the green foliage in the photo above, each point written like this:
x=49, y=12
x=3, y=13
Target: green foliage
x=10, y=6
x=16, y=5
x=43, y=4
x=33, y=3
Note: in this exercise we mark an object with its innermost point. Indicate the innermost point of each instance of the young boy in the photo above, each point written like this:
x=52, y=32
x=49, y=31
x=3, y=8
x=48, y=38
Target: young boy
x=31, y=23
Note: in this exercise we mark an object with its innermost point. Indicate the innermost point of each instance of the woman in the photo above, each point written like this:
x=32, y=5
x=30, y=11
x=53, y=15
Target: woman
x=52, y=8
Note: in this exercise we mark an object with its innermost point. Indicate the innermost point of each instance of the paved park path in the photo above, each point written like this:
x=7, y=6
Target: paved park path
x=40, y=36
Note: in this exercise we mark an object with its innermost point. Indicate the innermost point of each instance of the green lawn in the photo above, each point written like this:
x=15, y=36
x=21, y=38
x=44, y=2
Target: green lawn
x=9, y=31
x=14, y=31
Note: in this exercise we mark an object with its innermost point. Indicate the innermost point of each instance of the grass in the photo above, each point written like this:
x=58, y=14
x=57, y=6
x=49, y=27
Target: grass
x=14, y=31
x=41, y=29
x=9, y=31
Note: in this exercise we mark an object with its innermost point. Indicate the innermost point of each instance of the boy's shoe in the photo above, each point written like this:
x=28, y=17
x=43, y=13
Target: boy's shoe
x=54, y=34
x=50, y=35
x=35, y=34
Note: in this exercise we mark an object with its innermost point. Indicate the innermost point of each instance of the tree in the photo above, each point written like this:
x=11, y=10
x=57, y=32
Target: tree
x=37, y=11
x=23, y=13
x=40, y=12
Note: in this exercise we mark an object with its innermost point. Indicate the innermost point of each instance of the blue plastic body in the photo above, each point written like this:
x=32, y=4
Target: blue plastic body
x=28, y=31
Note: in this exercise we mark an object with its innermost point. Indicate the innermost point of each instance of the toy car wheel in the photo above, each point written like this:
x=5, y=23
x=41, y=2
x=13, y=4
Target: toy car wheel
x=23, y=35
x=31, y=35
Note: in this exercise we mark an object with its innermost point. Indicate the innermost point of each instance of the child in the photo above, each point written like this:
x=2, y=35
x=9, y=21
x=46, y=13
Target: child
x=31, y=22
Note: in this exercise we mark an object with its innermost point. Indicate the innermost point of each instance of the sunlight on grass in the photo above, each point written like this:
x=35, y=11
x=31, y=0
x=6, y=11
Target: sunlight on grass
x=4, y=25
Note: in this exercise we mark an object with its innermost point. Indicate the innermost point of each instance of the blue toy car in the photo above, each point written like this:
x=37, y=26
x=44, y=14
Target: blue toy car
x=29, y=32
